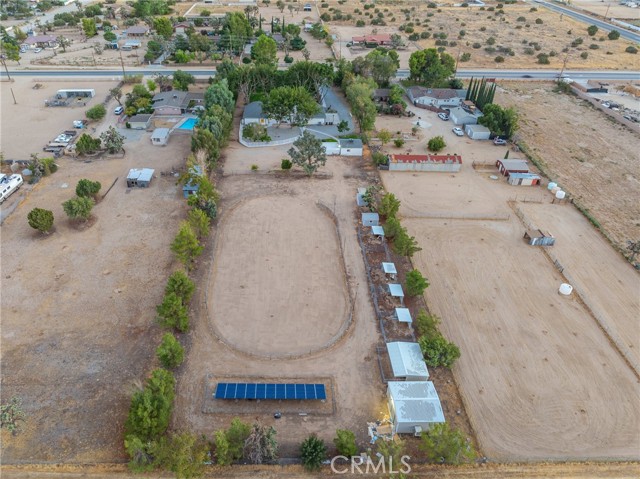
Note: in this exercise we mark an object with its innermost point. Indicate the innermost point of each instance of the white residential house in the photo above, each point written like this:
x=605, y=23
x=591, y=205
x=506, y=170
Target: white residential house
x=436, y=97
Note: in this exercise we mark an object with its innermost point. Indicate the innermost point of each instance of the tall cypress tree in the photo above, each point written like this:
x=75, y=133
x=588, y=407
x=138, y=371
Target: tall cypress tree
x=469, y=88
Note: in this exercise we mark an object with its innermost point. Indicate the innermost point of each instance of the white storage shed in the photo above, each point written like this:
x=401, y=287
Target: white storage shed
x=414, y=406
x=407, y=361
x=477, y=132
x=370, y=219
x=160, y=136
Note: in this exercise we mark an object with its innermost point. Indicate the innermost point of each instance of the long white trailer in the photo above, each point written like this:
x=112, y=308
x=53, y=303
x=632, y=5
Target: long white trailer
x=9, y=185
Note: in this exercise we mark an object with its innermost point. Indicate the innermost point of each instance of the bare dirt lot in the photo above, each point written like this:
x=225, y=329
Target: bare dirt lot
x=590, y=156
x=516, y=29
x=78, y=306
x=540, y=379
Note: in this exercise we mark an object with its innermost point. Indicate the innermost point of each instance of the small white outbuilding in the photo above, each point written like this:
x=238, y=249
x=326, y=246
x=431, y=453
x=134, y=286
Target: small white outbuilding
x=407, y=361
x=414, y=406
x=477, y=132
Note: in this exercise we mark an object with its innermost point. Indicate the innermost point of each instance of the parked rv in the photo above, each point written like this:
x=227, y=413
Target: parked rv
x=9, y=185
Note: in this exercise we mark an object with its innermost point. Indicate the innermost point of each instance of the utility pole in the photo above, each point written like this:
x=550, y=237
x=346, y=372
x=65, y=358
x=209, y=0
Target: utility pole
x=122, y=64
x=4, y=64
x=564, y=64
x=605, y=13
x=14, y=97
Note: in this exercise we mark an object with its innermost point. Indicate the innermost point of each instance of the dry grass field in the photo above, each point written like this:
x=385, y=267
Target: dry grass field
x=554, y=34
x=78, y=306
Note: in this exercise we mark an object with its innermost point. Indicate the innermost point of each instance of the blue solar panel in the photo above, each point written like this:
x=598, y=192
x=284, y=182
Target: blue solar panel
x=270, y=391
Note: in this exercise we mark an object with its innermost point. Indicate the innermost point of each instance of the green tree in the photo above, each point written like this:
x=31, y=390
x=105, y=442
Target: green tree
x=501, y=121
x=86, y=144
x=405, y=245
x=236, y=435
x=112, y=140
x=343, y=126
x=392, y=227
x=261, y=444
x=206, y=198
x=431, y=68
x=181, y=285
x=441, y=444
x=308, y=153
x=438, y=351
x=293, y=103
x=389, y=205
x=223, y=456
x=391, y=451
x=170, y=352
x=11, y=414
x=109, y=36
x=264, y=51
x=427, y=324
x=186, y=246
x=64, y=42
x=313, y=452
x=140, y=454
x=204, y=140
x=89, y=27
x=97, y=112
x=183, y=454
x=183, y=57
x=592, y=30
x=163, y=27
x=152, y=86
x=116, y=93
x=218, y=93
x=384, y=136
x=87, y=188
x=40, y=219
x=280, y=5
x=415, y=283
x=172, y=313
x=345, y=442
x=78, y=208
x=151, y=407
x=613, y=35
x=182, y=80
x=359, y=95
x=199, y=222
x=436, y=144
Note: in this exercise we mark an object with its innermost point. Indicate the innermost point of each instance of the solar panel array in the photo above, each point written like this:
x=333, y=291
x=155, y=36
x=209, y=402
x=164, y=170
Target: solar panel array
x=270, y=391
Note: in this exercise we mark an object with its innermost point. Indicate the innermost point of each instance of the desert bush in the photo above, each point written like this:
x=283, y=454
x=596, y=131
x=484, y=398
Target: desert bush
x=40, y=219
x=170, y=352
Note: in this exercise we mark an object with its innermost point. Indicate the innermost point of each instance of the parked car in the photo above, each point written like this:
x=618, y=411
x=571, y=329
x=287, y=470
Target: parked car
x=443, y=116
x=499, y=141
x=37, y=50
x=458, y=131
x=119, y=110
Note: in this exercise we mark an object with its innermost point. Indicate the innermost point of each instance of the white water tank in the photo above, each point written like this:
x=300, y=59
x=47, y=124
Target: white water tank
x=555, y=189
x=560, y=195
x=551, y=185
x=565, y=289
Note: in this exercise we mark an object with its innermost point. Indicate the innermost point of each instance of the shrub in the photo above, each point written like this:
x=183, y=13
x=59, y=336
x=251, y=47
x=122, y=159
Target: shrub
x=312, y=452
x=254, y=167
x=389, y=205
x=543, y=59
x=415, y=283
x=490, y=50
x=595, y=46
x=438, y=351
x=399, y=142
x=592, y=30
x=379, y=158
x=360, y=23
x=499, y=59
x=631, y=49
x=180, y=284
x=78, y=208
x=539, y=21
x=483, y=29
x=425, y=35
x=96, y=113
x=345, y=442
x=170, y=352
x=576, y=42
x=405, y=245
x=613, y=35
x=172, y=313
x=529, y=51
x=521, y=19
x=584, y=55
x=151, y=407
x=466, y=56
x=286, y=164
x=491, y=41
x=288, y=59
x=436, y=144
x=442, y=445
x=476, y=45
x=87, y=188
x=40, y=219
x=392, y=228
x=427, y=325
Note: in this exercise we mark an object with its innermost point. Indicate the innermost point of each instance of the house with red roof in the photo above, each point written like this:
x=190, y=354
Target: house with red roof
x=439, y=163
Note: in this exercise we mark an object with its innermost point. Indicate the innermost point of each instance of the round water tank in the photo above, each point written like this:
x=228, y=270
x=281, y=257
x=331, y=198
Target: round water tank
x=551, y=185
x=560, y=194
x=565, y=289
x=555, y=189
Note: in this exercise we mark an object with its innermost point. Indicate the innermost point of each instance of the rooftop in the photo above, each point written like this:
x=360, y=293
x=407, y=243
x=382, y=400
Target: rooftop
x=382, y=37
x=407, y=359
x=140, y=174
x=445, y=159
x=437, y=93
x=416, y=401
x=515, y=165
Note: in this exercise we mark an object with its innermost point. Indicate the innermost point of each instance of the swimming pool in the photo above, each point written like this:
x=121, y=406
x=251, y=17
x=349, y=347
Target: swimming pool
x=188, y=124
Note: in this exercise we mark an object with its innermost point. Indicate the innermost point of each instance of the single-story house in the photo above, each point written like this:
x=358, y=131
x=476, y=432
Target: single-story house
x=381, y=94
x=175, y=102
x=523, y=179
x=140, y=177
x=139, y=122
x=253, y=114
x=413, y=406
x=191, y=187
x=379, y=39
x=462, y=116
x=181, y=28
x=160, y=136
x=539, y=238
x=407, y=361
x=438, y=97
x=41, y=41
x=506, y=167
x=442, y=163
x=136, y=31
x=345, y=147
x=131, y=45
x=370, y=219
x=477, y=132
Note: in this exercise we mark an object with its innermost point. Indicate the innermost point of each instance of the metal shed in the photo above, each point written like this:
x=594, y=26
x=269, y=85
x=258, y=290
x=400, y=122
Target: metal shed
x=407, y=361
x=539, y=238
x=477, y=132
x=370, y=219
x=403, y=315
x=377, y=231
x=160, y=136
x=413, y=406
x=140, y=177
x=507, y=167
x=523, y=179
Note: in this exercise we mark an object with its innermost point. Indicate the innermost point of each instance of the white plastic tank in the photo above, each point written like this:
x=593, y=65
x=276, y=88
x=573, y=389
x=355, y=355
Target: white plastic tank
x=560, y=195
x=565, y=289
x=551, y=185
x=555, y=189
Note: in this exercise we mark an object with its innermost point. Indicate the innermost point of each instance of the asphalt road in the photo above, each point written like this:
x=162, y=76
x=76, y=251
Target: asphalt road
x=116, y=74
x=590, y=20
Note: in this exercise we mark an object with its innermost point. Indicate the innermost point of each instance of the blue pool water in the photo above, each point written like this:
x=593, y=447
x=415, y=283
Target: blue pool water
x=188, y=124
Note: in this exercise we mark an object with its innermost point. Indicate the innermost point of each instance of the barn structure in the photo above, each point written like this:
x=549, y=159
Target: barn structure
x=140, y=177
x=413, y=406
x=524, y=179
x=539, y=238
x=407, y=361
x=433, y=163
x=507, y=167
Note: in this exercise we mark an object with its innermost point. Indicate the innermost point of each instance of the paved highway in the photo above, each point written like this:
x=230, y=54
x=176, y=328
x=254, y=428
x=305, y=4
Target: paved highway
x=116, y=74
x=590, y=20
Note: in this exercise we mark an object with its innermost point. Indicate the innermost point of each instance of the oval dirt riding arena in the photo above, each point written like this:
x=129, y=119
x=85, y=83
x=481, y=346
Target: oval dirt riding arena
x=278, y=285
